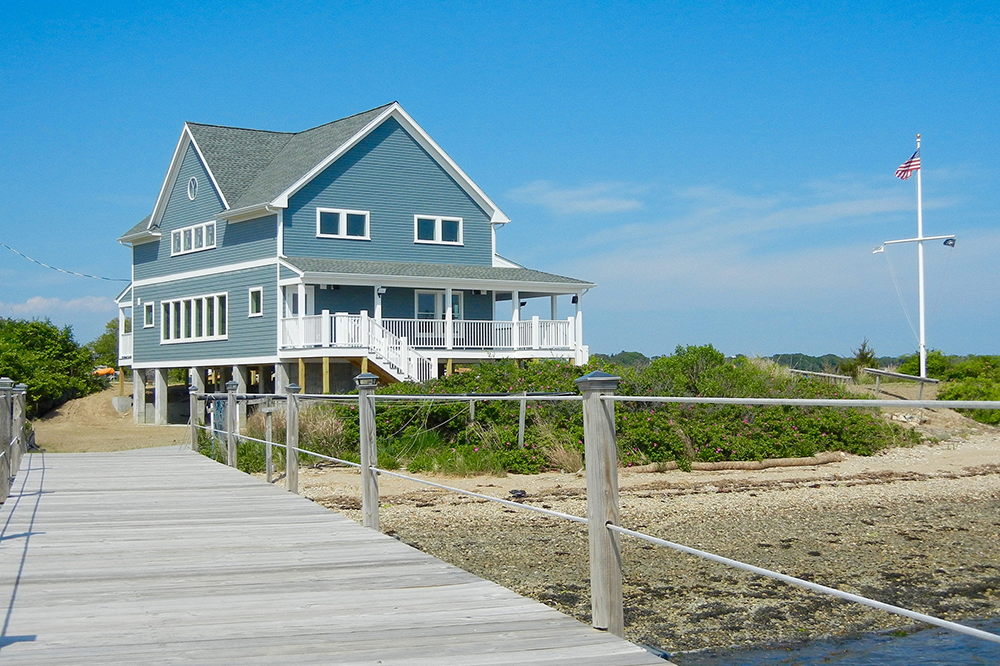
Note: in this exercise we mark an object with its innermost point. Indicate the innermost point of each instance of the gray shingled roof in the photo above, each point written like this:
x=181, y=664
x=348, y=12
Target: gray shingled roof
x=255, y=166
x=137, y=229
x=349, y=266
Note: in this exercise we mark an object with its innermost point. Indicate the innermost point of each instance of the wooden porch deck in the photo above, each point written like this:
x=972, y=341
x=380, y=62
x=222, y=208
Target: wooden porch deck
x=161, y=556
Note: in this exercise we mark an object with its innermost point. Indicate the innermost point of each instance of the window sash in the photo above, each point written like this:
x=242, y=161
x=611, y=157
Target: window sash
x=438, y=230
x=193, y=319
x=343, y=223
x=194, y=238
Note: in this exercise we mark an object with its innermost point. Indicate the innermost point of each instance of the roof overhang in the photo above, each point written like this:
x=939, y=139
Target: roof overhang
x=140, y=237
x=247, y=212
x=395, y=111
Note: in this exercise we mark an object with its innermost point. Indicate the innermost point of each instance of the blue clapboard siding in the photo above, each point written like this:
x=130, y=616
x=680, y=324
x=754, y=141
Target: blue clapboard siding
x=399, y=303
x=239, y=242
x=390, y=175
x=346, y=298
x=248, y=336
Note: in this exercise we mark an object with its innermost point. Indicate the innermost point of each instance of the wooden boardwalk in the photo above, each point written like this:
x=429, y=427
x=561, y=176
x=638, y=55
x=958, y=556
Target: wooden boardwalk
x=161, y=556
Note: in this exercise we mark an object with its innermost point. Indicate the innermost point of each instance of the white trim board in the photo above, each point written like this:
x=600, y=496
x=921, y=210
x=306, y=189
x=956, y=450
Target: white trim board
x=210, y=362
x=175, y=165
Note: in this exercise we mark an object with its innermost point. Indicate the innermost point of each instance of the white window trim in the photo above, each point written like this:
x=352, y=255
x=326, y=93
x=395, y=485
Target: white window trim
x=167, y=323
x=204, y=227
x=250, y=312
x=151, y=307
x=439, y=296
x=342, y=229
x=437, y=230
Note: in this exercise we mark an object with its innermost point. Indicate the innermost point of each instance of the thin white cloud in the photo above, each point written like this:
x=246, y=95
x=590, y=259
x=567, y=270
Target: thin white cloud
x=595, y=199
x=38, y=306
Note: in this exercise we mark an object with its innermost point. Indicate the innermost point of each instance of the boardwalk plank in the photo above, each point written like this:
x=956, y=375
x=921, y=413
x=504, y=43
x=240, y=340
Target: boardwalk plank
x=162, y=556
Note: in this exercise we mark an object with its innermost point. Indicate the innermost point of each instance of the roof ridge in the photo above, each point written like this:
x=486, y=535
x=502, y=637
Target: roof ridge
x=353, y=115
x=243, y=129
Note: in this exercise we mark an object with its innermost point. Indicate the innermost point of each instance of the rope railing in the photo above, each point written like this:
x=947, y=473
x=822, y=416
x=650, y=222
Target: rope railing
x=815, y=587
x=602, y=488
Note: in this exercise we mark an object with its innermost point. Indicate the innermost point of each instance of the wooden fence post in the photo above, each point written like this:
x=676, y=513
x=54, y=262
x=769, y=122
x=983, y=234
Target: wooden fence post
x=292, y=439
x=232, y=422
x=193, y=408
x=366, y=383
x=20, y=423
x=601, y=451
x=6, y=430
x=268, y=434
x=520, y=421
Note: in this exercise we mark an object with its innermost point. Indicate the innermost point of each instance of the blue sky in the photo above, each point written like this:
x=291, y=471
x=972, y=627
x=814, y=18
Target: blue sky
x=722, y=172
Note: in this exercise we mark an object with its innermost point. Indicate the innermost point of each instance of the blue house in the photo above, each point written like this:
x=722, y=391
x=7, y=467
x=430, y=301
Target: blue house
x=359, y=245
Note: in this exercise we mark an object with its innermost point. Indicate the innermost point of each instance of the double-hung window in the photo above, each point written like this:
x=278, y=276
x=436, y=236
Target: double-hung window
x=192, y=239
x=193, y=319
x=341, y=223
x=439, y=230
x=147, y=315
x=255, y=306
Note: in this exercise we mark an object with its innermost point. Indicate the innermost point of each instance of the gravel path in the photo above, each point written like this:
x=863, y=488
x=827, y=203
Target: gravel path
x=915, y=527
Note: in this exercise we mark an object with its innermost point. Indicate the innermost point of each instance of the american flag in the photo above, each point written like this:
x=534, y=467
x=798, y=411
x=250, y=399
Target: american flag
x=907, y=168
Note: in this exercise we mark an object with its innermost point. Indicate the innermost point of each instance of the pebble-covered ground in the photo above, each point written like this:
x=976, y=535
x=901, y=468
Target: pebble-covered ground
x=918, y=527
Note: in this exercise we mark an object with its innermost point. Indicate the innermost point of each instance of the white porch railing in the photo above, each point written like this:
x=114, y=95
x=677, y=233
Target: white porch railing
x=534, y=333
x=341, y=330
x=395, y=342
x=124, y=347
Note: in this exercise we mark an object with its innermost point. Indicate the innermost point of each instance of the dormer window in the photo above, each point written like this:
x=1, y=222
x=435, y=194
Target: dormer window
x=192, y=239
x=340, y=223
x=438, y=230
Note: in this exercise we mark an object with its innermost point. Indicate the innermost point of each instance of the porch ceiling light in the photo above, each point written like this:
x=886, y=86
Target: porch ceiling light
x=366, y=380
x=381, y=291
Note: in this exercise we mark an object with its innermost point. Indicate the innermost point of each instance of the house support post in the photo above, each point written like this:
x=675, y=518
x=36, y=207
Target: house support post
x=138, y=395
x=554, y=307
x=448, y=368
x=281, y=378
x=232, y=423
x=160, y=396
x=369, y=453
x=326, y=375
x=121, y=380
x=196, y=418
x=302, y=376
x=292, y=440
x=241, y=374
x=198, y=381
x=601, y=451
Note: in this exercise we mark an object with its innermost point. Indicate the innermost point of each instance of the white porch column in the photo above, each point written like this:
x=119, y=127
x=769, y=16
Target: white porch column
x=449, y=315
x=554, y=307
x=515, y=316
x=302, y=314
x=578, y=322
x=160, y=396
x=241, y=374
x=138, y=395
x=378, y=303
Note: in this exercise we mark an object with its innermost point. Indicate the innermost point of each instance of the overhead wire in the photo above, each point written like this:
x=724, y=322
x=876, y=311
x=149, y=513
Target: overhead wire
x=63, y=270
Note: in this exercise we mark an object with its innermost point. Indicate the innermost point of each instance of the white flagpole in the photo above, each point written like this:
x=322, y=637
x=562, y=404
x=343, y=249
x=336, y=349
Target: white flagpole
x=920, y=269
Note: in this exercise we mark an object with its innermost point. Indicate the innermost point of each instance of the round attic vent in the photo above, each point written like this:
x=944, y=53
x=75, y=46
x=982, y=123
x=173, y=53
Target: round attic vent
x=192, y=188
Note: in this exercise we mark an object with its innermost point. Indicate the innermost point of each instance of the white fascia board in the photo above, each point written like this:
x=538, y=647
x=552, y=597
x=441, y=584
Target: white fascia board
x=175, y=166
x=204, y=272
x=425, y=141
x=140, y=238
x=247, y=213
x=432, y=282
x=208, y=169
x=500, y=262
x=208, y=362
x=287, y=265
x=121, y=296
